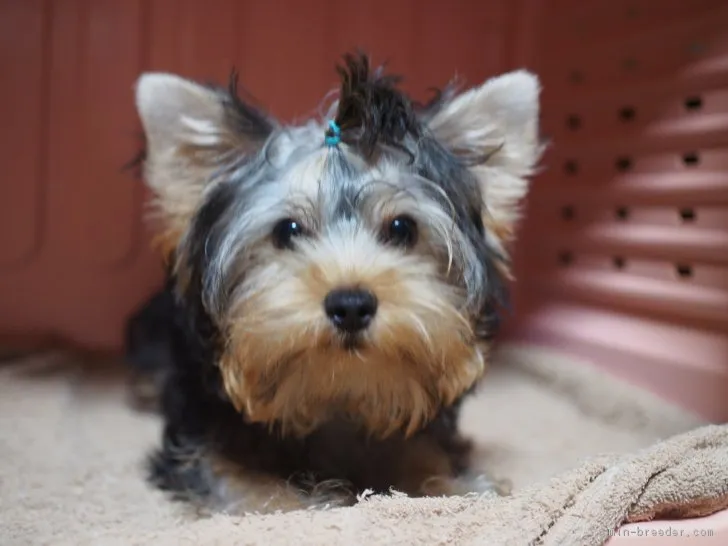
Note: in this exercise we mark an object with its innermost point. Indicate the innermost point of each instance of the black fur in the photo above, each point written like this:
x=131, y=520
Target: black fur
x=463, y=194
x=245, y=116
x=148, y=342
x=371, y=111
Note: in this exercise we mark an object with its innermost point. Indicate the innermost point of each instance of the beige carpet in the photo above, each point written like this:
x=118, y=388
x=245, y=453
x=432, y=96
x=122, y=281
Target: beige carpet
x=71, y=453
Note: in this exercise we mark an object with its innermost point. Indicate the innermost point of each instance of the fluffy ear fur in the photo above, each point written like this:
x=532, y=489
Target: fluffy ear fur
x=192, y=132
x=499, y=121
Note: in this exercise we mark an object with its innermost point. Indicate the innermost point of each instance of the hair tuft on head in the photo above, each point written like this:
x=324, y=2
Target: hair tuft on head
x=371, y=110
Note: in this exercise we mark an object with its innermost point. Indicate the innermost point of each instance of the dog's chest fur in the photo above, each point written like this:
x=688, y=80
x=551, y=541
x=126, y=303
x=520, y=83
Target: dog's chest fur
x=209, y=450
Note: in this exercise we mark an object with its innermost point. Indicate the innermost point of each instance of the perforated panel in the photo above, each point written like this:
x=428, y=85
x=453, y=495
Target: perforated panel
x=624, y=256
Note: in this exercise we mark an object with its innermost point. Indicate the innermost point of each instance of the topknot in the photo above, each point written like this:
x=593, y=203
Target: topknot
x=372, y=111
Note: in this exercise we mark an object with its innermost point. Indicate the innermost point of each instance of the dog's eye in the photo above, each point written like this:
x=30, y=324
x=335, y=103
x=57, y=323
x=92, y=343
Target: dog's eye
x=284, y=231
x=401, y=231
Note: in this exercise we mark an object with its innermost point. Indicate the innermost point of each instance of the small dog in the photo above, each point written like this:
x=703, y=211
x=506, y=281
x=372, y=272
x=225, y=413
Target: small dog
x=334, y=285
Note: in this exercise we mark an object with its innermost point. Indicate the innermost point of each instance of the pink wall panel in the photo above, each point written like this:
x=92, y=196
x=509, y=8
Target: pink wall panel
x=108, y=233
x=379, y=26
x=624, y=254
x=287, y=65
x=23, y=58
x=75, y=254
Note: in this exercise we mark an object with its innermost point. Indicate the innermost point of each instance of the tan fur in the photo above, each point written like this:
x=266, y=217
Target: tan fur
x=284, y=362
x=239, y=490
x=424, y=468
x=166, y=243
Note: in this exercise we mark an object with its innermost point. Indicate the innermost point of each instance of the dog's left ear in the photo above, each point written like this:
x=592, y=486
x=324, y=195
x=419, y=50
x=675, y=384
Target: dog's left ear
x=192, y=131
x=499, y=121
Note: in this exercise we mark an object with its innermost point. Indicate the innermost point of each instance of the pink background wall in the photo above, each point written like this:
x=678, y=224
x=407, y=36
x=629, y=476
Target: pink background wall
x=623, y=257
x=75, y=258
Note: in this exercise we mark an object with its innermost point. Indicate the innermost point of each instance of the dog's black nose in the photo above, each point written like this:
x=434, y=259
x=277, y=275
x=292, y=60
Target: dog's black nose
x=351, y=310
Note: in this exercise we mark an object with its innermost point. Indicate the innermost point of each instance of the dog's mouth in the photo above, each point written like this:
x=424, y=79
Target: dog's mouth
x=352, y=342
x=349, y=342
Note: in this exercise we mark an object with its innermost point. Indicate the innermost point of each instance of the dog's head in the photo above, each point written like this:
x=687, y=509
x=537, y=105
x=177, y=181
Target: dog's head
x=352, y=265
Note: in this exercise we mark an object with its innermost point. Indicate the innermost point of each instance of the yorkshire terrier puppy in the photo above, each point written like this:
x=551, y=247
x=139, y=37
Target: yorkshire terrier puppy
x=334, y=285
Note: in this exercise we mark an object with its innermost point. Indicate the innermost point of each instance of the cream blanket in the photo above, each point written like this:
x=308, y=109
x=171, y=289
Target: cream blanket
x=584, y=454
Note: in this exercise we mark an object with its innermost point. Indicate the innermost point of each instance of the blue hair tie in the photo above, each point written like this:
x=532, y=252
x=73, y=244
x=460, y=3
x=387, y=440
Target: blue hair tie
x=333, y=134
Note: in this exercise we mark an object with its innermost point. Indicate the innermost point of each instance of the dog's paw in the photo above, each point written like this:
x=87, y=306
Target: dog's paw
x=465, y=485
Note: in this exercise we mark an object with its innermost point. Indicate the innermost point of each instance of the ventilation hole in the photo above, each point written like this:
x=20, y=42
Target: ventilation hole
x=622, y=213
x=684, y=271
x=568, y=213
x=576, y=76
x=627, y=113
x=691, y=159
x=573, y=122
x=566, y=258
x=619, y=262
x=571, y=167
x=687, y=214
x=693, y=103
x=630, y=63
x=623, y=163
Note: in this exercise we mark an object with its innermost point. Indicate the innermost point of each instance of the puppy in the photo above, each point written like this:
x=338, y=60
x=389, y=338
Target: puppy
x=335, y=284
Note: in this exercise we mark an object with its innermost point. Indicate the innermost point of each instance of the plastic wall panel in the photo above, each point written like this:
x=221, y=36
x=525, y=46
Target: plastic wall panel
x=75, y=257
x=623, y=257
x=23, y=62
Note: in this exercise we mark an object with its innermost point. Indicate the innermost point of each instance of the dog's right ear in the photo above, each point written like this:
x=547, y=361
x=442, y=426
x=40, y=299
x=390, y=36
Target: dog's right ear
x=499, y=120
x=191, y=132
